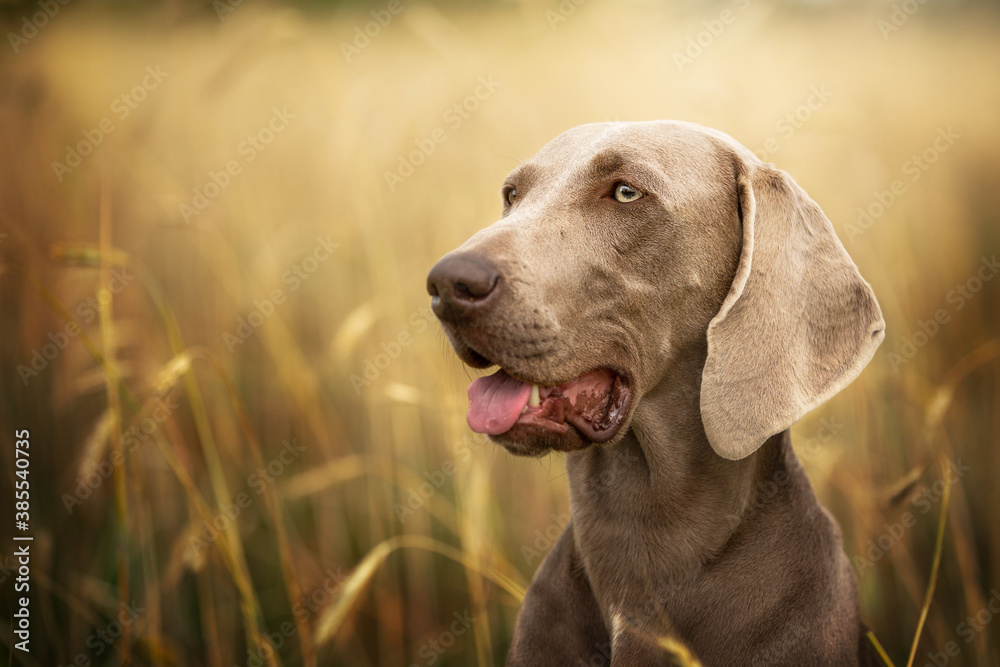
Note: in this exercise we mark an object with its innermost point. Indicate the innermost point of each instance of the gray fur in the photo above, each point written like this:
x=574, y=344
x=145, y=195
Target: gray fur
x=725, y=298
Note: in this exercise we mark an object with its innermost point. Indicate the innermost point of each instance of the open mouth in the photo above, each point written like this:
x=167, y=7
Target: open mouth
x=595, y=404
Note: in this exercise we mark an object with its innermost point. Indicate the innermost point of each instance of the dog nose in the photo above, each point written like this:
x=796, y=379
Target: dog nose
x=461, y=284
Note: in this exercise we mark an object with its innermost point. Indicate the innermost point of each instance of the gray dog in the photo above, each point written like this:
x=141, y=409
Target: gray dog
x=664, y=307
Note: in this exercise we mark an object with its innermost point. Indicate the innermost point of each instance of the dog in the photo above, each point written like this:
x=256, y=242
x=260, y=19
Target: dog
x=663, y=307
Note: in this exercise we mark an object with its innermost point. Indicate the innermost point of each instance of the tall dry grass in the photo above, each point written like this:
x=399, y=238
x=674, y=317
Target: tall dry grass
x=384, y=533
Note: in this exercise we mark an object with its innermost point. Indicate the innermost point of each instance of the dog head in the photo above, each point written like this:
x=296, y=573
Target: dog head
x=622, y=247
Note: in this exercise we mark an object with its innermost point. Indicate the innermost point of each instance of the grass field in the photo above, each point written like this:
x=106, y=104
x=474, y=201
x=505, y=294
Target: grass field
x=247, y=429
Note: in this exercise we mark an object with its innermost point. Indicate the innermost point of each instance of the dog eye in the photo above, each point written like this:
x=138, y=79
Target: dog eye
x=509, y=195
x=625, y=193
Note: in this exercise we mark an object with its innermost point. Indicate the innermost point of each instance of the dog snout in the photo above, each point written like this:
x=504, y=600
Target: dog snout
x=461, y=285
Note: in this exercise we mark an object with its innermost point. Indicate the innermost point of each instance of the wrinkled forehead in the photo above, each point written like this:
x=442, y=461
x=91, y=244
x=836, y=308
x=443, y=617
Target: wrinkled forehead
x=655, y=151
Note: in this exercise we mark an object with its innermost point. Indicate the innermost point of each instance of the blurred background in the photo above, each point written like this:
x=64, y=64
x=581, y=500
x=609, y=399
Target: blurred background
x=247, y=432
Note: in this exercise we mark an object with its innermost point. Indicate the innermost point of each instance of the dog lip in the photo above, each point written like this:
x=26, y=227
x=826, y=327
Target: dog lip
x=619, y=402
x=469, y=355
x=480, y=360
x=600, y=430
x=550, y=383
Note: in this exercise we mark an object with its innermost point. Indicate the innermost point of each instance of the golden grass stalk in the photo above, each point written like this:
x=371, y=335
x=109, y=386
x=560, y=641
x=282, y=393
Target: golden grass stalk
x=113, y=392
x=355, y=326
x=216, y=470
x=206, y=599
x=935, y=564
x=273, y=505
x=360, y=465
x=87, y=255
x=230, y=546
x=879, y=649
x=945, y=393
x=167, y=376
x=937, y=408
x=352, y=587
x=253, y=621
x=95, y=444
x=151, y=577
x=295, y=371
x=330, y=474
x=355, y=466
x=967, y=562
x=679, y=651
x=473, y=494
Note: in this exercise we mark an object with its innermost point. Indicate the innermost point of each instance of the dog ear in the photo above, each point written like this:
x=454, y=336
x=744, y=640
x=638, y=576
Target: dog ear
x=799, y=322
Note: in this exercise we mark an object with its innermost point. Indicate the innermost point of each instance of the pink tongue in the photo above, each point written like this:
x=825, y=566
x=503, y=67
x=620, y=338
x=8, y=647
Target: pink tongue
x=495, y=403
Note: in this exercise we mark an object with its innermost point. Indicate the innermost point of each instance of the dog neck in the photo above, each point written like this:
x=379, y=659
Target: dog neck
x=664, y=493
